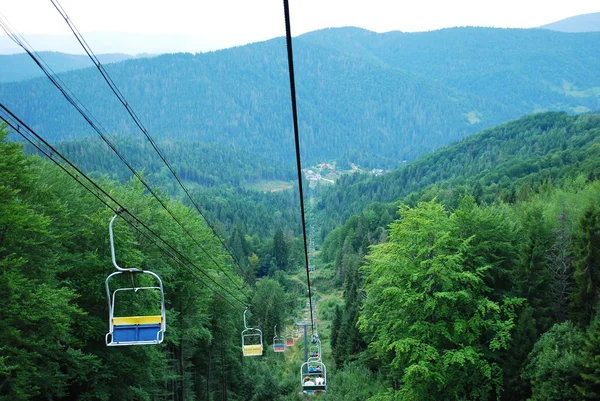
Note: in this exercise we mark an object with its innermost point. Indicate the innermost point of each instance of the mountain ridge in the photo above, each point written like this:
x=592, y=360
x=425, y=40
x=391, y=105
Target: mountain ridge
x=373, y=99
x=20, y=67
x=578, y=23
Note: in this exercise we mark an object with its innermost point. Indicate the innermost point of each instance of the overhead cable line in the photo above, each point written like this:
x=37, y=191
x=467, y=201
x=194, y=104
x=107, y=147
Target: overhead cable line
x=139, y=123
x=288, y=36
x=108, y=200
x=97, y=127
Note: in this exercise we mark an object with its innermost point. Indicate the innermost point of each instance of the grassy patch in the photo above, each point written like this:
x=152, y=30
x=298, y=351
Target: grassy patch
x=270, y=186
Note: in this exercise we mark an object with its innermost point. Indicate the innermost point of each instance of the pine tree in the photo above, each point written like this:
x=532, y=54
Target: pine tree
x=281, y=252
x=587, y=266
x=590, y=361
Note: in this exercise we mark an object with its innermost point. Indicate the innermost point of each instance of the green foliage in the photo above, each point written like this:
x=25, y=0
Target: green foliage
x=553, y=365
x=54, y=258
x=428, y=312
x=590, y=361
x=271, y=306
x=587, y=265
x=527, y=249
x=353, y=383
x=40, y=349
x=280, y=250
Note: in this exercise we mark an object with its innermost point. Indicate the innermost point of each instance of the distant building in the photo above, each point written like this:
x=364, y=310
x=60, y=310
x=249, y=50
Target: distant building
x=326, y=166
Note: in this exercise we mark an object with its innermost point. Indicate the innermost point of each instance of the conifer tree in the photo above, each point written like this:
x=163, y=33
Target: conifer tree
x=587, y=266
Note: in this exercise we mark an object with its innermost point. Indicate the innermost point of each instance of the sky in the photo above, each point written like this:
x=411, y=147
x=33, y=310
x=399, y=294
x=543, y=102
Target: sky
x=204, y=25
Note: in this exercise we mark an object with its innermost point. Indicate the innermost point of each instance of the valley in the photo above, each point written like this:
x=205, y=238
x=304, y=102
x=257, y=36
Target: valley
x=452, y=220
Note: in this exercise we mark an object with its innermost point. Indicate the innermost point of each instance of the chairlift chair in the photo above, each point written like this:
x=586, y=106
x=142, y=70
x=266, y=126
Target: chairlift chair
x=313, y=377
x=252, y=340
x=278, y=342
x=133, y=330
x=289, y=340
x=314, y=351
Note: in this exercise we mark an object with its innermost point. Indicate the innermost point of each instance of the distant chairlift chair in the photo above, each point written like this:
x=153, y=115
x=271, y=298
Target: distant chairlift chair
x=278, y=342
x=289, y=340
x=252, y=341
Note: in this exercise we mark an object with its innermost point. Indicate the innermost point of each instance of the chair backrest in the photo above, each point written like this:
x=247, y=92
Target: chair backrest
x=135, y=330
x=252, y=343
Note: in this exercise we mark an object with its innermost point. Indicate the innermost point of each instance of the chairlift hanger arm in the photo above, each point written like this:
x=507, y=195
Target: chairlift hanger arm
x=112, y=245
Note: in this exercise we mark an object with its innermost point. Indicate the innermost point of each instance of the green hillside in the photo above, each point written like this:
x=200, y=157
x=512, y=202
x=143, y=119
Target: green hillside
x=477, y=288
x=481, y=280
x=520, y=70
x=501, y=163
x=372, y=99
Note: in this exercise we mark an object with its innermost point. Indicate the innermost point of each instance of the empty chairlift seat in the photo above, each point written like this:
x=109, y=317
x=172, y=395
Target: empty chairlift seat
x=145, y=329
x=252, y=341
x=278, y=341
x=136, y=329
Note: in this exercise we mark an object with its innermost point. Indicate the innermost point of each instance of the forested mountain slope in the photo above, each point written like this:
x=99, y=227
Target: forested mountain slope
x=522, y=70
x=372, y=99
x=497, y=163
x=205, y=164
x=19, y=67
x=480, y=280
x=54, y=260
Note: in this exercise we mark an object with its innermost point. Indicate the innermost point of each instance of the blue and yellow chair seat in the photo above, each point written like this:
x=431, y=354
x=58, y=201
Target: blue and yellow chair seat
x=134, y=329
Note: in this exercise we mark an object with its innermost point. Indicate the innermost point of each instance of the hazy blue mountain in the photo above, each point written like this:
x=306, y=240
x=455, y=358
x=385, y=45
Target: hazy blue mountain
x=373, y=99
x=19, y=67
x=578, y=23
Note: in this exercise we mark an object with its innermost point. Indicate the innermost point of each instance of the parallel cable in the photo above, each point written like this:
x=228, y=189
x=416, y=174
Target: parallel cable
x=16, y=124
x=140, y=125
x=288, y=36
x=97, y=127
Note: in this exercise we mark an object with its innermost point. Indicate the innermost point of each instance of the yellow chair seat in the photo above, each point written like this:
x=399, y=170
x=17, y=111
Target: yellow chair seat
x=252, y=350
x=136, y=320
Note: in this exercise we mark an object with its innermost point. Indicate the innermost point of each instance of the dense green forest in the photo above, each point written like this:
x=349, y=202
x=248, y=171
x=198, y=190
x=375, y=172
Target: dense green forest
x=368, y=98
x=469, y=273
x=223, y=180
x=459, y=293
x=476, y=280
x=475, y=302
x=503, y=163
x=204, y=164
x=54, y=259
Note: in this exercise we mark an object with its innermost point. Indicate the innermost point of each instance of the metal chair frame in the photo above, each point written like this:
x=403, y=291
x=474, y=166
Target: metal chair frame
x=112, y=294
